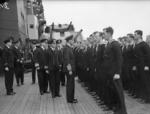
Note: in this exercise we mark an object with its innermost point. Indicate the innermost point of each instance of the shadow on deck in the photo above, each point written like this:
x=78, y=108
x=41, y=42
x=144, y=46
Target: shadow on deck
x=28, y=101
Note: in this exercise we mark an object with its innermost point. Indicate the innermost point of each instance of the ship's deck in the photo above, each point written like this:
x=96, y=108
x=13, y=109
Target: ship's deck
x=28, y=101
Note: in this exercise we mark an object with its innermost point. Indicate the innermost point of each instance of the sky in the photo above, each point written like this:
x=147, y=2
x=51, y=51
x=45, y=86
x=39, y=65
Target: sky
x=124, y=16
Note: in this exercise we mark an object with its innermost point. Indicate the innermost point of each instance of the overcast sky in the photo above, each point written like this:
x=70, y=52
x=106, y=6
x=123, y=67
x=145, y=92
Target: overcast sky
x=123, y=16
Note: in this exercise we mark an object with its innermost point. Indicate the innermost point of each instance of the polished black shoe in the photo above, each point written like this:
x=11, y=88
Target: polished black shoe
x=58, y=95
x=46, y=92
x=62, y=84
x=11, y=93
x=33, y=83
x=69, y=102
x=101, y=103
x=53, y=96
x=18, y=84
x=74, y=101
x=106, y=109
x=41, y=93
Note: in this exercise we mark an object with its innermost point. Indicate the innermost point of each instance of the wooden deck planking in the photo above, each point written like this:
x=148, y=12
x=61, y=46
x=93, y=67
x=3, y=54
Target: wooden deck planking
x=36, y=102
x=12, y=101
x=29, y=101
x=136, y=107
x=87, y=102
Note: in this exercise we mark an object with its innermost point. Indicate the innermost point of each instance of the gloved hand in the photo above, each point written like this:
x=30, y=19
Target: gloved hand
x=116, y=76
x=146, y=68
x=6, y=69
x=70, y=72
x=134, y=68
x=69, y=67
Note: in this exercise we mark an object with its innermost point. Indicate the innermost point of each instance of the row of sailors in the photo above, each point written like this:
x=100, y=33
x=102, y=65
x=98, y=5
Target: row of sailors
x=136, y=64
x=96, y=65
x=49, y=61
x=12, y=59
x=102, y=67
x=53, y=62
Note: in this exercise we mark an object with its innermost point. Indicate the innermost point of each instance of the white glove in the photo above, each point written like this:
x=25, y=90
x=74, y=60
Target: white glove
x=134, y=68
x=146, y=68
x=87, y=69
x=70, y=72
x=69, y=67
x=47, y=72
x=36, y=65
x=116, y=76
x=45, y=67
x=6, y=69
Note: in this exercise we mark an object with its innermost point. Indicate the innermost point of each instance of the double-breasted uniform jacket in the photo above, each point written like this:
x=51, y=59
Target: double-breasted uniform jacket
x=81, y=59
x=59, y=58
x=52, y=59
x=99, y=55
x=112, y=59
x=33, y=53
x=130, y=57
x=18, y=57
x=142, y=55
x=40, y=58
x=69, y=58
x=8, y=57
x=99, y=59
